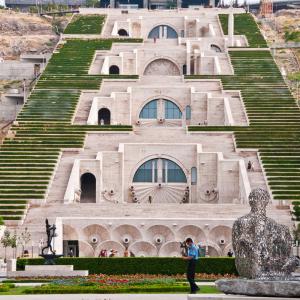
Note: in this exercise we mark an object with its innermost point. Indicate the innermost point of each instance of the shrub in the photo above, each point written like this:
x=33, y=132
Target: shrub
x=141, y=265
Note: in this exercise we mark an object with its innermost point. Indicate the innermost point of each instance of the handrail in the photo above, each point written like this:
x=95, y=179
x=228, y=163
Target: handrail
x=6, y=125
x=59, y=12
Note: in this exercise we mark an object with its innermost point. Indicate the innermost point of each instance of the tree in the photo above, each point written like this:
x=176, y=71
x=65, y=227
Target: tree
x=24, y=239
x=6, y=241
x=13, y=243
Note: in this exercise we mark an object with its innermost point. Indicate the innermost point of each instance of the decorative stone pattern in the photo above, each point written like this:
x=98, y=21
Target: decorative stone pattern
x=162, y=67
x=262, y=246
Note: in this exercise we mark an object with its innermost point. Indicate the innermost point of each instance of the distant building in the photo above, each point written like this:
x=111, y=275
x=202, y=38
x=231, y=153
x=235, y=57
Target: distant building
x=26, y=3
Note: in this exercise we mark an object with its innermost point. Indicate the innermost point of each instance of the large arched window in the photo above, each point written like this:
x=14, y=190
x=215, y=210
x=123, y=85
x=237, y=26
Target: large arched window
x=160, y=170
x=147, y=172
x=172, y=111
x=149, y=111
x=88, y=188
x=163, y=32
x=153, y=108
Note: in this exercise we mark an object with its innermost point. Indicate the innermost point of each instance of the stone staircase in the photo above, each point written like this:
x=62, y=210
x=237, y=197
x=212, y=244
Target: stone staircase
x=84, y=106
x=237, y=111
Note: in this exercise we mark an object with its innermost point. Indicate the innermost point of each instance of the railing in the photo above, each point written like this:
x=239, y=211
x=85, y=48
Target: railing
x=2, y=129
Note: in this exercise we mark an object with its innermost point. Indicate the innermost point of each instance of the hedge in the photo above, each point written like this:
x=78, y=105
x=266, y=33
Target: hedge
x=140, y=265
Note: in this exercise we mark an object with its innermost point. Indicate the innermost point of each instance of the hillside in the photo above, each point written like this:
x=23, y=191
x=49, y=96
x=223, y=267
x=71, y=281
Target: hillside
x=27, y=33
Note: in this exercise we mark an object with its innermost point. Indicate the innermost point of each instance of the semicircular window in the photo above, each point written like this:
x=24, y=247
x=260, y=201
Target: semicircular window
x=163, y=32
x=149, y=111
x=154, y=108
x=160, y=170
x=172, y=111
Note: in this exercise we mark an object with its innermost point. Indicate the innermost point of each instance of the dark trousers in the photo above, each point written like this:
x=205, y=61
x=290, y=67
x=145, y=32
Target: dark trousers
x=190, y=274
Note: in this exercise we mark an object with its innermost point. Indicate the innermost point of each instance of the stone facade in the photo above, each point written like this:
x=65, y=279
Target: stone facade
x=148, y=189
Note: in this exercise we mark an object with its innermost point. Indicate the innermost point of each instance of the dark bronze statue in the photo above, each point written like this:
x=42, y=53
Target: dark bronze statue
x=50, y=230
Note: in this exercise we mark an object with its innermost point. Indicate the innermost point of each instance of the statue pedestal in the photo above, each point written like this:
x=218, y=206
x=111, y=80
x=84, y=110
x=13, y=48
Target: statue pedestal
x=49, y=258
x=48, y=271
x=266, y=288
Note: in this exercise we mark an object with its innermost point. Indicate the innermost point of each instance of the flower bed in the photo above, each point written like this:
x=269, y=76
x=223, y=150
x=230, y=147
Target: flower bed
x=121, y=278
x=104, y=284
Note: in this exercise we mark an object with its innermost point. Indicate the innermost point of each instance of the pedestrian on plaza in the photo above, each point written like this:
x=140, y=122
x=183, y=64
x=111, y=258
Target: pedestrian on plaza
x=230, y=253
x=191, y=257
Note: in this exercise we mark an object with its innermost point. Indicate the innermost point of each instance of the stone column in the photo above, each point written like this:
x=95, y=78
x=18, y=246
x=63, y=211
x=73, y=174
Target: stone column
x=231, y=28
x=160, y=35
x=165, y=32
x=179, y=3
x=145, y=3
x=11, y=265
x=188, y=59
x=212, y=3
x=112, y=4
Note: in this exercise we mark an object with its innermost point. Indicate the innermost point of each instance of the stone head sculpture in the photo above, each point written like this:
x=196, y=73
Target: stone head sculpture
x=262, y=247
x=258, y=201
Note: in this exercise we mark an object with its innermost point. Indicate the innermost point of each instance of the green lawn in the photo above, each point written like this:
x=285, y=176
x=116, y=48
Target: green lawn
x=85, y=24
x=160, y=289
x=44, y=124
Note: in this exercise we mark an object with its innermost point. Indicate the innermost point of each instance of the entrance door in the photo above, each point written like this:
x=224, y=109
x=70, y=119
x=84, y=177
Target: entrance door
x=71, y=248
x=104, y=116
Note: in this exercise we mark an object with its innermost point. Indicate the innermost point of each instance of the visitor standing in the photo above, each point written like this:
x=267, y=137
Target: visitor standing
x=192, y=257
x=230, y=253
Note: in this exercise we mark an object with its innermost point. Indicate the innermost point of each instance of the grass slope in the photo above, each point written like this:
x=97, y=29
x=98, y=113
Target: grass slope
x=244, y=24
x=274, y=120
x=43, y=127
x=85, y=24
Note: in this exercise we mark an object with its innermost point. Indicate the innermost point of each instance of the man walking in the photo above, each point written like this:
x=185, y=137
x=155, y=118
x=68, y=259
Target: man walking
x=192, y=257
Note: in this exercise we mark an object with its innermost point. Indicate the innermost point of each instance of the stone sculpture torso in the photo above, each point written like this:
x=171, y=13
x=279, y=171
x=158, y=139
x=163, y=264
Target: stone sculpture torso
x=262, y=247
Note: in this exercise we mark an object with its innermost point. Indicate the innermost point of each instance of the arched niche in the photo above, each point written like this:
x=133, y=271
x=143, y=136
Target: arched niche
x=143, y=249
x=95, y=234
x=221, y=235
x=110, y=245
x=170, y=249
x=69, y=233
x=85, y=249
x=192, y=231
x=114, y=70
x=159, y=234
x=88, y=188
x=104, y=116
x=122, y=32
x=162, y=66
x=126, y=234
